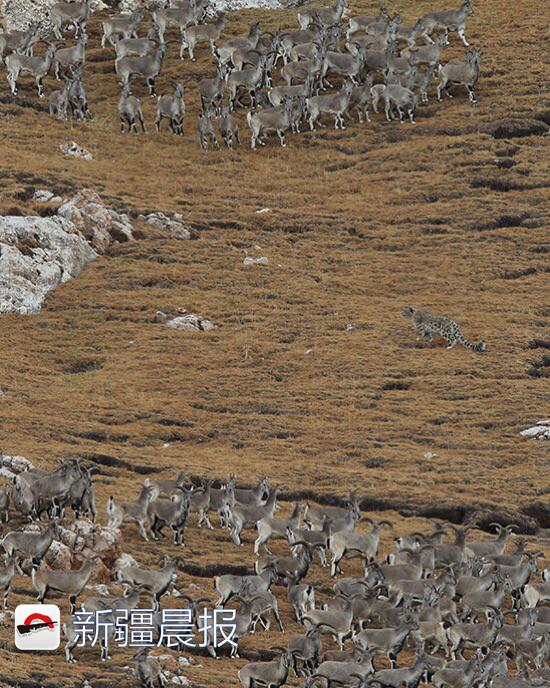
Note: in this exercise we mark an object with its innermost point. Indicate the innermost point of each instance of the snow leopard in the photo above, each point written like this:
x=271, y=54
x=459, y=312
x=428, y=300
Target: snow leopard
x=428, y=325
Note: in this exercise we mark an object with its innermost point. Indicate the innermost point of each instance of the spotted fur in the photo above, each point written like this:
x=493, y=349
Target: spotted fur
x=429, y=326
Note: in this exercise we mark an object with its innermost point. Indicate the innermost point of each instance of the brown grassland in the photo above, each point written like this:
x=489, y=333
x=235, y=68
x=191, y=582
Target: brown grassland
x=440, y=215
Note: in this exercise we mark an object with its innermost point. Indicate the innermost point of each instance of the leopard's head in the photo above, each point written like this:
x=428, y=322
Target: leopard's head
x=408, y=311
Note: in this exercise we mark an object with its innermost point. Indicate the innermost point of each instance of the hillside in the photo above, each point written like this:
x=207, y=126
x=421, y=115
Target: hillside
x=312, y=377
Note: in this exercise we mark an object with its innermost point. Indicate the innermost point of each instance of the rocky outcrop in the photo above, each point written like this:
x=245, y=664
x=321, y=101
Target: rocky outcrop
x=78, y=542
x=36, y=255
x=19, y=14
x=101, y=226
x=39, y=253
x=216, y=6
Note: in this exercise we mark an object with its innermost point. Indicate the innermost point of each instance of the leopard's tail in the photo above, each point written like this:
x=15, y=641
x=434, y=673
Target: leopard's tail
x=480, y=346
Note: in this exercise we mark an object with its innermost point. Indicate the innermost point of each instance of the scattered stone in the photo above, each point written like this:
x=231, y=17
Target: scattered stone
x=174, y=225
x=263, y=210
x=429, y=455
x=539, y=431
x=73, y=150
x=350, y=327
x=190, y=322
x=249, y=260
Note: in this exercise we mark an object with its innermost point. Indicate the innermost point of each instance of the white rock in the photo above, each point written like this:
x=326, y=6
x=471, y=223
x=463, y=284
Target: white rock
x=123, y=561
x=234, y=5
x=101, y=589
x=540, y=431
x=174, y=225
x=73, y=150
x=42, y=195
x=36, y=255
x=45, y=196
x=190, y=322
x=15, y=464
x=263, y=210
x=179, y=681
x=249, y=260
x=59, y=556
x=82, y=526
x=69, y=537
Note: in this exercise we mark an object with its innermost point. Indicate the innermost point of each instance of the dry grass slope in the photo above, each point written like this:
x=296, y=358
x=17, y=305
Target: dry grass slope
x=441, y=215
